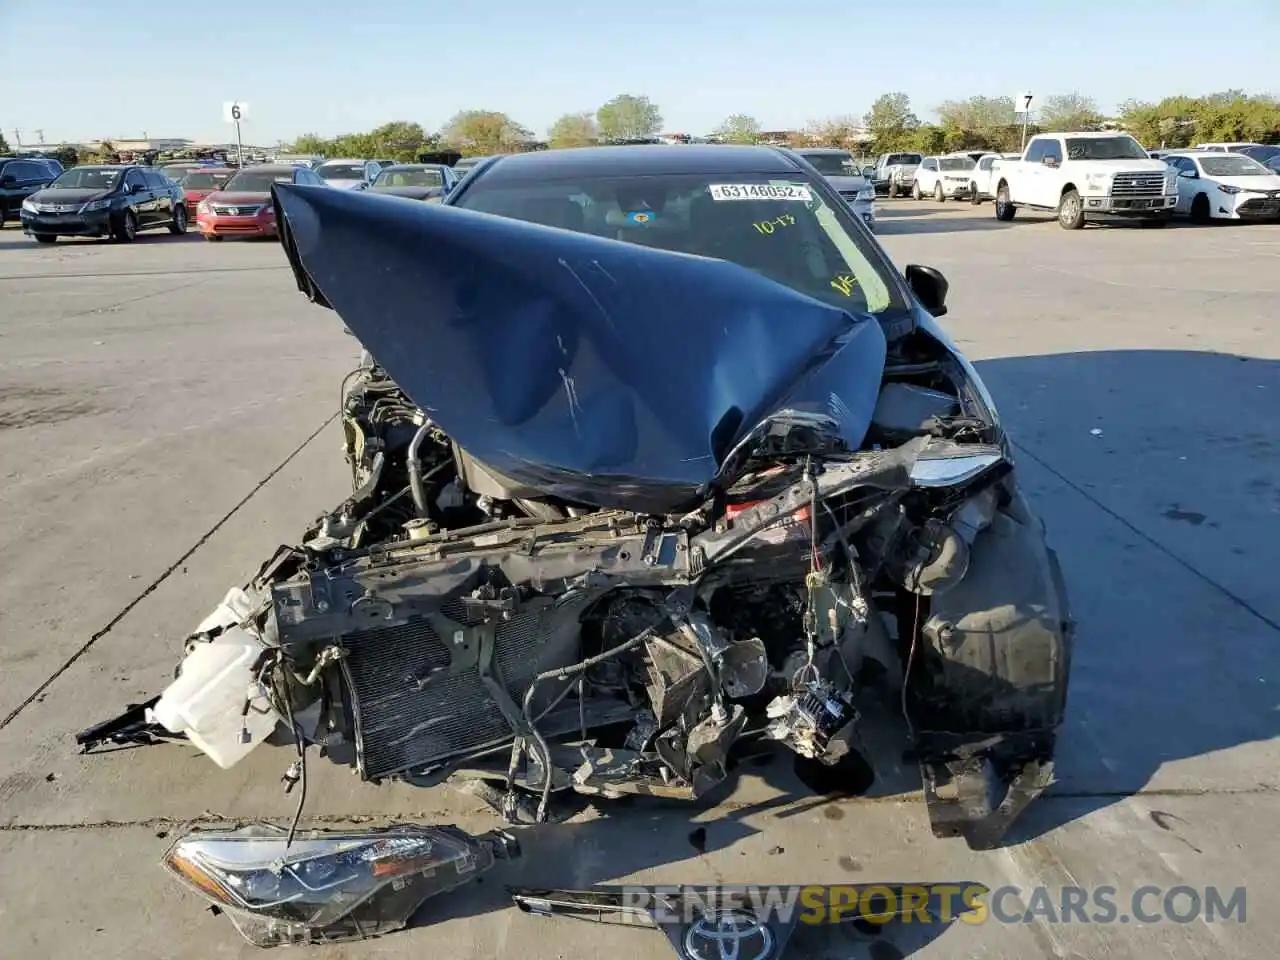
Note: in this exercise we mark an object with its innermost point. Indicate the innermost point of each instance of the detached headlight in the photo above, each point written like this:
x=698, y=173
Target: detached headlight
x=95, y=205
x=1228, y=189
x=30, y=206
x=328, y=886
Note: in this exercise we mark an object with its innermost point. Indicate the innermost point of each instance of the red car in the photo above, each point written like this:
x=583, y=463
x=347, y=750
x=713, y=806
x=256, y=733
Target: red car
x=199, y=183
x=242, y=207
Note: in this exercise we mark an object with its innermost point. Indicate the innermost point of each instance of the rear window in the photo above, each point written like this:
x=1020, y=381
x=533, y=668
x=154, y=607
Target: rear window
x=904, y=158
x=205, y=181
x=341, y=171
x=780, y=228
x=832, y=164
x=256, y=181
x=955, y=163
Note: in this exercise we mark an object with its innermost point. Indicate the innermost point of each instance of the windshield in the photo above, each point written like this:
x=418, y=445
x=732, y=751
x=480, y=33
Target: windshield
x=341, y=171
x=257, y=181
x=1262, y=154
x=904, y=158
x=88, y=178
x=780, y=228
x=1229, y=165
x=1105, y=148
x=833, y=164
x=955, y=163
x=205, y=181
x=409, y=177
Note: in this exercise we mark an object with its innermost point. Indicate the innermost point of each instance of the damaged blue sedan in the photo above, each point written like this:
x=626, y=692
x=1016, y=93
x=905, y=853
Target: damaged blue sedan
x=654, y=453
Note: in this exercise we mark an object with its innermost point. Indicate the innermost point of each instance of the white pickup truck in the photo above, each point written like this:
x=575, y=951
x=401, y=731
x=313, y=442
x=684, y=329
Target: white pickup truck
x=1077, y=175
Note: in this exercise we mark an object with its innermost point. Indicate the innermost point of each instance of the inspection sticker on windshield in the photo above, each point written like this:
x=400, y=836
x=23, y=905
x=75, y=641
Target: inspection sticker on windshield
x=759, y=191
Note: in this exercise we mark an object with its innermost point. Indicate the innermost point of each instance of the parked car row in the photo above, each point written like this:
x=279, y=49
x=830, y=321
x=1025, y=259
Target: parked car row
x=119, y=200
x=1081, y=176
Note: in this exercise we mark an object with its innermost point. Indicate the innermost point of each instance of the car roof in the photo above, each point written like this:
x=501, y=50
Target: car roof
x=343, y=160
x=640, y=159
x=414, y=166
x=804, y=150
x=1087, y=134
x=264, y=168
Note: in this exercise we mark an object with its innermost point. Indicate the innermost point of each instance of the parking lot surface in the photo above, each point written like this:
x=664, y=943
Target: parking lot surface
x=167, y=419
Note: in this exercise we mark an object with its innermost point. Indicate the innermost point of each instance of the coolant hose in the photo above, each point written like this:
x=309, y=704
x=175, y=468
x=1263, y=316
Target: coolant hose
x=416, y=486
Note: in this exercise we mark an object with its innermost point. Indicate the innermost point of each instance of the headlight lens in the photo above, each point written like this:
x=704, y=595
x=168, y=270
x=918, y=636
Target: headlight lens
x=95, y=205
x=867, y=193
x=1100, y=181
x=204, y=207
x=30, y=206
x=949, y=465
x=328, y=886
x=1228, y=189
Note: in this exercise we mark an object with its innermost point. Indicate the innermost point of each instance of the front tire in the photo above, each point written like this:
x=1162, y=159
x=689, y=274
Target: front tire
x=1070, y=211
x=915, y=190
x=1005, y=210
x=1200, y=212
x=938, y=195
x=973, y=194
x=126, y=229
x=46, y=238
x=213, y=238
x=179, y=225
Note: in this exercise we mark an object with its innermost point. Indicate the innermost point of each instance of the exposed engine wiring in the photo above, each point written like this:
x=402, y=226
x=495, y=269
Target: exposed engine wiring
x=300, y=744
x=561, y=673
x=906, y=675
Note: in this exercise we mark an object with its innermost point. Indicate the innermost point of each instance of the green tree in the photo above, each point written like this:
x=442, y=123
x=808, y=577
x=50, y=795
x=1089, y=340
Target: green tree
x=4, y=144
x=1069, y=112
x=628, y=117
x=842, y=132
x=739, y=128
x=312, y=143
x=484, y=132
x=979, y=123
x=890, y=122
x=574, y=130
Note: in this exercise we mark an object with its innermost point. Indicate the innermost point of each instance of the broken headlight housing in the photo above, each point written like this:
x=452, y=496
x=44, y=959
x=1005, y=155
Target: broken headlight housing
x=328, y=886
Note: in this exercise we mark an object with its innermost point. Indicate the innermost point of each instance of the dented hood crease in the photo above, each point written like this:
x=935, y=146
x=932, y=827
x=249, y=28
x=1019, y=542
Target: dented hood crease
x=599, y=371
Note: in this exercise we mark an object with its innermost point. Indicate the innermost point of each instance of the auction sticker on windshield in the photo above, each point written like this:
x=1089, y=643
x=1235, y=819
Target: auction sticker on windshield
x=759, y=191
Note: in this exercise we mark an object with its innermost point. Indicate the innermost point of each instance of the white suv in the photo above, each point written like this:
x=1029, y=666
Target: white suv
x=943, y=177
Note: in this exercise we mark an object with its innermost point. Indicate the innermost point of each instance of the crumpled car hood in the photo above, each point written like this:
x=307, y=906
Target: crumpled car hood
x=595, y=370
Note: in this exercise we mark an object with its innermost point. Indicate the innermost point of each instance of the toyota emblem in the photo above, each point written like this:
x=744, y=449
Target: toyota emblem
x=233, y=211
x=728, y=935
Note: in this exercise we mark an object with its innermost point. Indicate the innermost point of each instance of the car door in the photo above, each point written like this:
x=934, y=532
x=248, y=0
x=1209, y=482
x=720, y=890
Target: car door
x=162, y=191
x=927, y=174
x=1032, y=173
x=1187, y=176
x=21, y=179
x=138, y=197
x=982, y=175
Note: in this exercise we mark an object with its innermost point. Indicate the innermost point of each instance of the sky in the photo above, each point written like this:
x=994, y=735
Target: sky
x=115, y=69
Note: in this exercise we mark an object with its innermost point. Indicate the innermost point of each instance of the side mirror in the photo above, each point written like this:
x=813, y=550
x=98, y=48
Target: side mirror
x=1049, y=161
x=137, y=187
x=929, y=286
x=868, y=172
x=8, y=180
x=1189, y=174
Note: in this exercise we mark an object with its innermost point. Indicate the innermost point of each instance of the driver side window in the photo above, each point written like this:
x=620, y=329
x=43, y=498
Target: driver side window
x=1052, y=148
x=133, y=178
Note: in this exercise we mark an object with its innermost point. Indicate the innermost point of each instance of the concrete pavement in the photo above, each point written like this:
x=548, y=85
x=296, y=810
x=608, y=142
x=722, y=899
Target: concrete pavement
x=165, y=422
